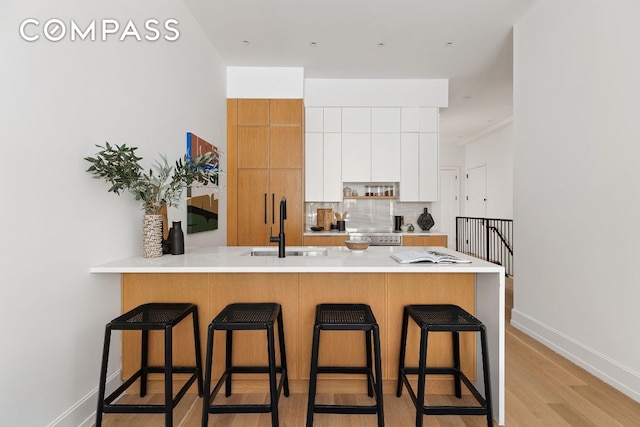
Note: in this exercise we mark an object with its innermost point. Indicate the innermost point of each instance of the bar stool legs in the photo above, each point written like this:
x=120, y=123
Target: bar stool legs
x=152, y=316
x=443, y=318
x=246, y=316
x=344, y=317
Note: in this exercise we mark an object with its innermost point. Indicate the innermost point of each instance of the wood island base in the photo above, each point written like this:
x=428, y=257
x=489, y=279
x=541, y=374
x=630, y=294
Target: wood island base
x=299, y=293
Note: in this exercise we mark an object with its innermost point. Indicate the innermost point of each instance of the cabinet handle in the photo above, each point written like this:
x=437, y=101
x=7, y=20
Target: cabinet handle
x=265, y=208
x=273, y=209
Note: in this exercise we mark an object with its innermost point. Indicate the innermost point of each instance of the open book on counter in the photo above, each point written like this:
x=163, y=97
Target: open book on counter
x=436, y=257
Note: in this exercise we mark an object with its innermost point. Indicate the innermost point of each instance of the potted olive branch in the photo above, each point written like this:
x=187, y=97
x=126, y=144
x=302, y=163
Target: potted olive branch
x=162, y=185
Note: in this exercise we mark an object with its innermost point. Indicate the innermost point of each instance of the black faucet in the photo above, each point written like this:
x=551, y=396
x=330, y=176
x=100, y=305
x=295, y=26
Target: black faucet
x=280, y=238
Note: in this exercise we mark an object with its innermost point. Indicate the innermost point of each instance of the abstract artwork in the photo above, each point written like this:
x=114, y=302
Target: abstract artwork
x=202, y=206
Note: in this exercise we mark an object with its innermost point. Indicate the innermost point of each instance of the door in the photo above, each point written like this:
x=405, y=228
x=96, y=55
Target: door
x=448, y=208
x=286, y=183
x=254, y=207
x=476, y=207
x=476, y=200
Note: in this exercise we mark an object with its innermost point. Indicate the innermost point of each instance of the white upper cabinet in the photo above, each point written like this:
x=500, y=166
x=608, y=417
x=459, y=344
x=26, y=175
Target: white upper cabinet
x=313, y=119
x=385, y=119
x=313, y=166
x=429, y=167
x=428, y=119
x=356, y=119
x=332, y=168
x=356, y=157
x=323, y=179
x=419, y=167
x=332, y=119
x=385, y=157
x=409, y=167
x=371, y=144
x=409, y=119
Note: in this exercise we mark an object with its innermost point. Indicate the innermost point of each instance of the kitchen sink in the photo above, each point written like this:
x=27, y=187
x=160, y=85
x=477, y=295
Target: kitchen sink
x=289, y=252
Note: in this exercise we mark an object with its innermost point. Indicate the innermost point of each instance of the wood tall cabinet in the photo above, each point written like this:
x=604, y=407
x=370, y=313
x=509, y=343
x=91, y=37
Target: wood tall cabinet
x=265, y=163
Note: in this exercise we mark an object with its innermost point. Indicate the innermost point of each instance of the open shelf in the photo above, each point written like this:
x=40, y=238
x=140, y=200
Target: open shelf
x=371, y=197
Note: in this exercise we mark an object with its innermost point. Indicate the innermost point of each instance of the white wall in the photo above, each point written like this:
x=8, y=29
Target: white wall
x=495, y=151
x=577, y=193
x=58, y=100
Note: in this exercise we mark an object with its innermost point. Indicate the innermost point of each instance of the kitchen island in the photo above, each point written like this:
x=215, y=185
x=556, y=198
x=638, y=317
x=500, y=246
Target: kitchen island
x=213, y=277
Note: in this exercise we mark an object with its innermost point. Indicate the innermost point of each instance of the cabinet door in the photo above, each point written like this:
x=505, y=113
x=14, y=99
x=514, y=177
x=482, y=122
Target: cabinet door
x=253, y=207
x=409, y=119
x=332, y=119
x=285, y=147
x=332, y=170
x=429, y=117
x=385, y=119
x=424, y=240
x=285, y=112
x=429, y=173
x=287, y=183
x=253, y=147
x=385, y=157
x=356, y=119
x=313, y=167
x=356, y=157
x=409, y=167
x=313, y=119
x=253, y=112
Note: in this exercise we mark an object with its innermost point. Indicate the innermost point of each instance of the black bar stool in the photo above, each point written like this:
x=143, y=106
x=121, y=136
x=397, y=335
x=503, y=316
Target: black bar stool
x=347, y=317
x=447, y=318
x=246, y=316
x=147, y=317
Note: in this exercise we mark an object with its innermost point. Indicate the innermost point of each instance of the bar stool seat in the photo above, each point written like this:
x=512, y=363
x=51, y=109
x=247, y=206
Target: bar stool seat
x=347, y=317
x=147, y=317
x=246, y=316
x=444, y=318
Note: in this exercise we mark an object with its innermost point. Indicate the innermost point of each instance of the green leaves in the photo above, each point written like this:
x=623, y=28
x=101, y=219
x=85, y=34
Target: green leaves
x=162, y=184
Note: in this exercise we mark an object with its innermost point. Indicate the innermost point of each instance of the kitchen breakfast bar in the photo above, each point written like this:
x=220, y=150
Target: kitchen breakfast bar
x=216, y=276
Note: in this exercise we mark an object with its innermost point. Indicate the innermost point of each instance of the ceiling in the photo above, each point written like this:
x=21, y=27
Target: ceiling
x=467, y=41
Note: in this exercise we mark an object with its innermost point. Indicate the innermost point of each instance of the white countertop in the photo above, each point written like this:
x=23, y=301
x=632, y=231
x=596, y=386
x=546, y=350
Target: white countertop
x=235, y=259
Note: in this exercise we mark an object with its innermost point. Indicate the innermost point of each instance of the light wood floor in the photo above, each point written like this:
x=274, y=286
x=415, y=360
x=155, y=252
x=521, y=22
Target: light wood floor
x=543, y=389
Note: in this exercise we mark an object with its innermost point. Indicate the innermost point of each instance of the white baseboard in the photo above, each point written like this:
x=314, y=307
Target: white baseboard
x=608, y=370
x=83, y=413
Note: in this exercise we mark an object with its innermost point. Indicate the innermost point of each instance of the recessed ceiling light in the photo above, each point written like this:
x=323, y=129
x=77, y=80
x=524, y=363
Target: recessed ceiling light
x=313, y=44
x=381, y=44
x=246, y=42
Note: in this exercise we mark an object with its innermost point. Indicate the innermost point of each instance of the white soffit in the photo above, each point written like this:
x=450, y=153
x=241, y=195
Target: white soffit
x=376, y=92
x=265, y=82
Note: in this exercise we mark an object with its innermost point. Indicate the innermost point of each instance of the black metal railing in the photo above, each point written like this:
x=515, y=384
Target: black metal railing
x=487, y=238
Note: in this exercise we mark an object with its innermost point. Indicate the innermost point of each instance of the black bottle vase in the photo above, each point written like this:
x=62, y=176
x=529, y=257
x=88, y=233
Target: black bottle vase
x=176, y=238
x=425, y=220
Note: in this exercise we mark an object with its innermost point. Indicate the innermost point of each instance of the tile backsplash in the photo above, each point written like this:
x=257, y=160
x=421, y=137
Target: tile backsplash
x=369, y=213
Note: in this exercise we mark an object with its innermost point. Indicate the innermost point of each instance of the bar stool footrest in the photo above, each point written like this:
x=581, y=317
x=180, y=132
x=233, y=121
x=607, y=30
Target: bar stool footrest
x=446, y=410
x=246, y=408
x=344, y=370
x=453, y=410
x=240, y=409
x=345, y=409
x=118, y=408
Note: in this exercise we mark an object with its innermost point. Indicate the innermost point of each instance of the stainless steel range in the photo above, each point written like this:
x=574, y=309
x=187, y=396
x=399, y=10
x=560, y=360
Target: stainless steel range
x=378, y=238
